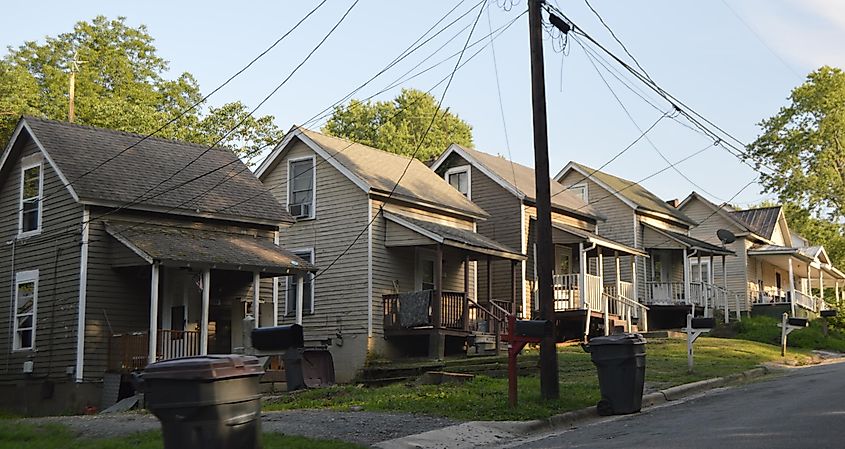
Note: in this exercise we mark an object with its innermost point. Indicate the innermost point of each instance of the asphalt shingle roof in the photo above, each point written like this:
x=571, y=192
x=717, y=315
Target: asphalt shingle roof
x=76, y=149
x=381, y=169
x=691, y=242
x=761, y=221
x=635, y=193
x=522, y=179
x=214, y=247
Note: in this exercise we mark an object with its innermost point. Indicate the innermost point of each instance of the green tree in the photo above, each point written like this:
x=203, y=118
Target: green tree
x=803, y=144
x=398, y=125
x=121, y=84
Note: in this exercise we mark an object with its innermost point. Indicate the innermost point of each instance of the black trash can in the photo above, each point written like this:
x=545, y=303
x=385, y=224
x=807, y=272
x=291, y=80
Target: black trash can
x=620, y=362
x=210, y=402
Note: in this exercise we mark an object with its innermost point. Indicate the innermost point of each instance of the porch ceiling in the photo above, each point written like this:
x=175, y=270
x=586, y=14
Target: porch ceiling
x=453, y=237
x=189, y=246
x=684, y=241
x=581, y=235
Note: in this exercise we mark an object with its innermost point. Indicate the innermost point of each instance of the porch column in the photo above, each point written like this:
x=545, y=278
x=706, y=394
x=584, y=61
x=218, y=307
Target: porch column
x=582, y=270
x=153, y=312
x=821, y=284
x=275, y=301
x=725, y=287
x=206, y=295
x=791, y=287
x=618, y=274
x=634, y=278
x=602, y=297
x=837, y=298
x=300, y=296
x=465, y=306
x=686, y=281
x=256, y=298
x=437, y=339
x=489, y=282
x=513, y=287
x=703, y=297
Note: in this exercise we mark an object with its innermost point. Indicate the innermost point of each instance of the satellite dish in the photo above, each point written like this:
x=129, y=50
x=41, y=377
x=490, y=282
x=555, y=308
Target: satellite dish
x=727, y=237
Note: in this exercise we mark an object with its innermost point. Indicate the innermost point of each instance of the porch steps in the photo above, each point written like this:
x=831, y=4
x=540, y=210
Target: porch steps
x=481, y=344
x=675, y=334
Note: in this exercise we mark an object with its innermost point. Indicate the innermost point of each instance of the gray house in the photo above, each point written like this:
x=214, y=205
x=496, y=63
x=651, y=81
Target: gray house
x=672, y=280
x=120, y=250
x=398, y=260
x=776, y=270
x=587, y=294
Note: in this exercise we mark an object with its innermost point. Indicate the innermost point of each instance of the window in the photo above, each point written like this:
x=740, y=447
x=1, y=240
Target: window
x=425, y=269
x=705, y=271
x=458, y=177
x=307, y=287
x=580, y=191
x=26, y=296
x=301, y=187
x=30, y=206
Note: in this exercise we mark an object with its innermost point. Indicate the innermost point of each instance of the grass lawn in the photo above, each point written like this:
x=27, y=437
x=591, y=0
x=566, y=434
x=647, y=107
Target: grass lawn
x=17, y=435
x=485, y=398
x=765, y=330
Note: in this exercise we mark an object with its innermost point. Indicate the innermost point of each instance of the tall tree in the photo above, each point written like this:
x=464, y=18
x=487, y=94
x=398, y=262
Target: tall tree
x=398, y=125
x=121, y=84
x=803, y=143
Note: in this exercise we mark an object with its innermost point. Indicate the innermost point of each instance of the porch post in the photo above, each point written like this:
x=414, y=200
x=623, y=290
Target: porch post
x=791, y=288
x=465, y=306
x=821, y=284
x=300, y=296
x=837, y=298
x=489, y=282
x=703, y=297
x=256, y=298
x=582, y=268
x=618, y=274
x=206, y=295
x=437, y=339
x=725, y=287
x=634, y=278
x=153, y=312
x=513, y=288
x=602, y=297
x=686, y=281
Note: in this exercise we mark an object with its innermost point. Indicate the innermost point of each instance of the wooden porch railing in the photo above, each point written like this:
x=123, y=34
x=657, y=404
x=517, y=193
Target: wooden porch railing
x=567, y=293
x=805, y=301
x=451, y=310
x=628, y=310
x=130, y=351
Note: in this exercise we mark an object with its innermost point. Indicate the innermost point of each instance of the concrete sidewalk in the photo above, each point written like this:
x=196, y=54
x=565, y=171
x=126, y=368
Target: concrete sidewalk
x=486, y=433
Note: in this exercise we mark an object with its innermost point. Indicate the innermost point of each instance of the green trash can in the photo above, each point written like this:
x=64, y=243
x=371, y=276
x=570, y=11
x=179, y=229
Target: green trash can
x=620, y=362
x=209, y=402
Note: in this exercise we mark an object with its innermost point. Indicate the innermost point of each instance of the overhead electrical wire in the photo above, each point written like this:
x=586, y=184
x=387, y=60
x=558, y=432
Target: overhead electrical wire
x=499, y=95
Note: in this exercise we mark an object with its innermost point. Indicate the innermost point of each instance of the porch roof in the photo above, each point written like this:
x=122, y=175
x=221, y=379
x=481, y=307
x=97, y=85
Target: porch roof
x=454, y=237
x=598, y=240
x=691, y=243
x=191, y=246
x=807, y=254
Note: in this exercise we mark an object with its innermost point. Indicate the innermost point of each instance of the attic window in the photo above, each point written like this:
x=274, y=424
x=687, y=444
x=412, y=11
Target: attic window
x=580, y=191
x=458, y=177
x=32, y=185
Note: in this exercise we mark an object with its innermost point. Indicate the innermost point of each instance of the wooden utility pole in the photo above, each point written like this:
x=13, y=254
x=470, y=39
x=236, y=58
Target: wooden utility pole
x=544, y=250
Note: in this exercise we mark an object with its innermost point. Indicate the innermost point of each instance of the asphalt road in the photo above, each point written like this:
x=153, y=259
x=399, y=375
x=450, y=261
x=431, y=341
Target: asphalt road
x=802, y=409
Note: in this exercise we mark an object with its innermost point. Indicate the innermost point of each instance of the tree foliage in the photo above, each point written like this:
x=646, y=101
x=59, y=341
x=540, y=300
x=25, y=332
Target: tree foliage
x=121, y=84
x=398, y=125
x=804, y=142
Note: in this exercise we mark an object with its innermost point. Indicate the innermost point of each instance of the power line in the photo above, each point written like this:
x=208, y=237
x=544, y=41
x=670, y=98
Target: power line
x=618, y=41
x=416, y=150
x=201, y=100
x=142, y=197
x=499, y=95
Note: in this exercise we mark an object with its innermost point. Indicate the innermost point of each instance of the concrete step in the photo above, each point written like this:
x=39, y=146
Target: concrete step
x=665, y=334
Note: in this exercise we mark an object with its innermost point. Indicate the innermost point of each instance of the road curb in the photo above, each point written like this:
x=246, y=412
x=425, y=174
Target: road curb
x=570, y=419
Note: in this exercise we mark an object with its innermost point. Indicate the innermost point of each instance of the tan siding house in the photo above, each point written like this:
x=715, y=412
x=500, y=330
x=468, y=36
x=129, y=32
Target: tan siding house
x=387, y=247
x=118, y=252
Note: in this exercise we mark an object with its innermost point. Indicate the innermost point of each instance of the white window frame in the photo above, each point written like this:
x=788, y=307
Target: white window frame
x=289, y=280
x=312, y=212
x=23, y=277
x=582, y=191
x=461, y=169
x=424, y=255
x=706, y=268
x=26, y=164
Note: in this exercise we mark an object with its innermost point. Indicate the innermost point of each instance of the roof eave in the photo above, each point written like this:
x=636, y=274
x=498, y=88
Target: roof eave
x=185, y=213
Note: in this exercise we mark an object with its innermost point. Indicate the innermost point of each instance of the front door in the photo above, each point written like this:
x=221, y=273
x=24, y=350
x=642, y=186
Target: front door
x=563, y=260
x=220, y=329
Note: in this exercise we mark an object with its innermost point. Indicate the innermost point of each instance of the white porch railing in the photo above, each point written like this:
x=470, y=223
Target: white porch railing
x=567, y=293
x=626, y=309
x=665, y=293
x=806, y=301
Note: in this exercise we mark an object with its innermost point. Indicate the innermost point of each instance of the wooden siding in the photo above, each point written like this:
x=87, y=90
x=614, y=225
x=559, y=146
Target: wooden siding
x=398, y=235
x=736, y=267
x=340, y=295
x=55, y=254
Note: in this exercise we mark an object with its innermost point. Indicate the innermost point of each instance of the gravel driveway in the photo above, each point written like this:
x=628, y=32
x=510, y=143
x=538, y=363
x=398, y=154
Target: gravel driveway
x=359, y=427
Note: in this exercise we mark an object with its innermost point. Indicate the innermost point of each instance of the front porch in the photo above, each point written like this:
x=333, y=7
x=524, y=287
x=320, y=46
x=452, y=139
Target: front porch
x=680, y=277
x=201, y=286
x=588, y=286
x=434, y=314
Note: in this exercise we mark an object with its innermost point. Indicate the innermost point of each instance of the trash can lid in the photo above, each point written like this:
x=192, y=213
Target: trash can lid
x=618, y=339
x=204, y=367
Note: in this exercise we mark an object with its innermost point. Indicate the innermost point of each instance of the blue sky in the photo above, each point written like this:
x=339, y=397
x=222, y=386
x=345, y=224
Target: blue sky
x=734, y=61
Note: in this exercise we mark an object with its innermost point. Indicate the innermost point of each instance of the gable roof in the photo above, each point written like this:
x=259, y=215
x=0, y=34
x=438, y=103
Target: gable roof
x=691, y=242
x=376, y=171
x=761, y=220
x=725, y=211
x=629, y=192
x=217, y=185
x=519, y=180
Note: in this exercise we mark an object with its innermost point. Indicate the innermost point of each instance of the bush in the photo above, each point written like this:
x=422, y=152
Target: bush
x=765, y=329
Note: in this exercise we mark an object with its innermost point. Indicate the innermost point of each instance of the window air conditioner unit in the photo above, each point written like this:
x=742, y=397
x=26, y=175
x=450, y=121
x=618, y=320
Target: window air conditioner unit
x=300, y=210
